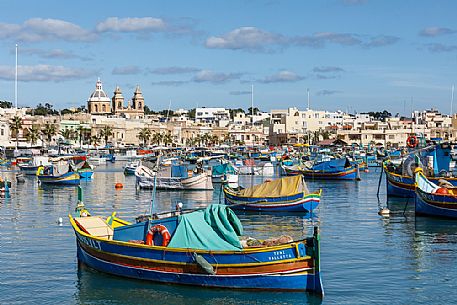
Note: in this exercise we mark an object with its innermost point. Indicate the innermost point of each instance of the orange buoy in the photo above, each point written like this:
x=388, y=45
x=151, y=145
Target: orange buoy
x=442, y=191
x=118, y=185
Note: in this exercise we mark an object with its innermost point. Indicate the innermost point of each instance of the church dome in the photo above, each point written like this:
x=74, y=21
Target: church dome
x=99, y=95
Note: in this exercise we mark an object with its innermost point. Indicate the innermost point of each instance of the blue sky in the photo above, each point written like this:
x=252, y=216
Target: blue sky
x=353, y=55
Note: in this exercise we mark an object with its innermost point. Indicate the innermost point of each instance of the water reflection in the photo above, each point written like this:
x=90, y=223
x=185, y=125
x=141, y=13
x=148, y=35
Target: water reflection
x=94, y=287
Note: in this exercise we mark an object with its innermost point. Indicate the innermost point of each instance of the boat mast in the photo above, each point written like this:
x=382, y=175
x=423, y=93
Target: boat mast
x=452, y=100
x=307, y=90
x=252, y=106
x=15, y=83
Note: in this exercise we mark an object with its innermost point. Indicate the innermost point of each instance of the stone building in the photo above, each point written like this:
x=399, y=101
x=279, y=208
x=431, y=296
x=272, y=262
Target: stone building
x=99, y=102
x=135, y=106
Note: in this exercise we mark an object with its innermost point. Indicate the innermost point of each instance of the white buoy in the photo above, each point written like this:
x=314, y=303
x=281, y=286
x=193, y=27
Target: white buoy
x=60, y=221
x=384, y=212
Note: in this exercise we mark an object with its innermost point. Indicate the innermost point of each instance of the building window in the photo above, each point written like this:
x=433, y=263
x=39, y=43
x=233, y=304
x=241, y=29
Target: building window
x=139, y=105
x=119, y=105
x=2, y=132
x=96, y=108
x=104, y=108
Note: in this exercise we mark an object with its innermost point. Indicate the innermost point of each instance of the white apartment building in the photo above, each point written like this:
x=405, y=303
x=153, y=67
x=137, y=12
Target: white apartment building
x=218, y=116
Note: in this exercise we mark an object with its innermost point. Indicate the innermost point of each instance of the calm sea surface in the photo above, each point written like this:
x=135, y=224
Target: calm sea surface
x=365, y=258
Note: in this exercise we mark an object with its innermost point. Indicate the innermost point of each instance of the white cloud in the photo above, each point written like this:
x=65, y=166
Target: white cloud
x=327, y=92
x=44, y=73
x=327, y=69
x=254, y=39
x=127, y=70
x=38, y=29
x=145, y=24
x=434, y=31
x=215, y=77
x=173, y=70
x=52, y=54
x=282, y=76
x=250, y=38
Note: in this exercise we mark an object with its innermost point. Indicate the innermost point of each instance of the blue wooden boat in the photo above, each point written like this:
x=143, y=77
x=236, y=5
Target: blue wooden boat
x=85, y=170
x=336, y=169
x=58, y=174
x=288, y=194
x=399, y=175
x=434, y=200
x=200, y=248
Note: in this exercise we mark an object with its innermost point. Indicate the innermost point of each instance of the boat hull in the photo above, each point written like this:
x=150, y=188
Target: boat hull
x=86, y=174
x=128, y=171
x=295, y=203
x=348, y=174
x=198, y=182
x=70, y=178
x=29, y=170
x=293, y=266
x=435, y=205
x=403, y=186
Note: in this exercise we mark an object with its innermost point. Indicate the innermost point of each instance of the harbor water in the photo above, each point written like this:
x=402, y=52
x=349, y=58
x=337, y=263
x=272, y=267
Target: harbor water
x=365, y=258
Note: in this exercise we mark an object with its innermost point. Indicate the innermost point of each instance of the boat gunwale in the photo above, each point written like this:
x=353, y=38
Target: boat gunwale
x=293, y=244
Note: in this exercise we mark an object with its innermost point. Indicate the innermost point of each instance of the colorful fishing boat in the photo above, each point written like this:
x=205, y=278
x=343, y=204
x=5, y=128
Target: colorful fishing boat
x=432, y=199
x=200, y=248
x=288, y=194
x=224, y=172
x=30, y=166
x=174, y=177
x=435, y=160
x=335, y=169
x=59, y=173
x=85, y=170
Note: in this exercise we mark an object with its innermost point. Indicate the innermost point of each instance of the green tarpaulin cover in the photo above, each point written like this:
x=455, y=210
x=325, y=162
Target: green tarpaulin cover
x=215, y=228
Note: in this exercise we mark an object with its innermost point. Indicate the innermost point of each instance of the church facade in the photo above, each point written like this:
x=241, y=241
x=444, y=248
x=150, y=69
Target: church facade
x=100, y=103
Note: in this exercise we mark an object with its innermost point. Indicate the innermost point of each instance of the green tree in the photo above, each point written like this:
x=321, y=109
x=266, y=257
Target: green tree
x=81, y=130
x=144, y=135
x=192, y=114
x=167, y=139
x=15, y=125
x=106, y=132
x=33, y=134
x=6, y=104
x=147, y=111
x=157, y=138
x=49, y=130
x=68, y=134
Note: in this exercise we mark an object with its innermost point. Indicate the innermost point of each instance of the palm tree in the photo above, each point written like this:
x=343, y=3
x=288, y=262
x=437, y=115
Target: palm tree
x=68, y=134
x=48, y=131
x=106, y=132
x=81, y=130
x=33, y=134
x=167, y=139
x=15, y=126
x=144, y=135
x=157, y=138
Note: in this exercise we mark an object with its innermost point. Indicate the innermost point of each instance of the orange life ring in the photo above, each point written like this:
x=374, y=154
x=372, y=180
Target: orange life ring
x=158, y=229
x=411, y=141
